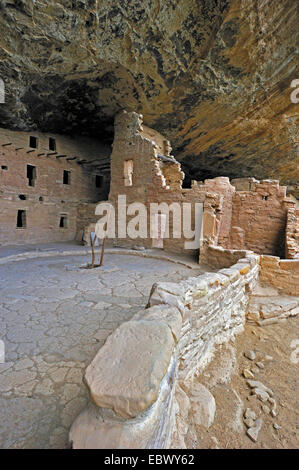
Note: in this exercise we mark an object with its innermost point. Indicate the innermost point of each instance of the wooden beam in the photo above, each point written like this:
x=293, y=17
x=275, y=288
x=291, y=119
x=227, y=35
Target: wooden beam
x=90, y=162
x=101, y=168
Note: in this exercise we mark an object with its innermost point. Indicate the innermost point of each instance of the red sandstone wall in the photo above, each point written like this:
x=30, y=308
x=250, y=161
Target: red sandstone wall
x=249, y=215
x=49, y=199
x=85, y=217
x=292, y=232
x=153, y=181
x=80, y=147
x=259, y=218
x=223, y=188
x=154, y=136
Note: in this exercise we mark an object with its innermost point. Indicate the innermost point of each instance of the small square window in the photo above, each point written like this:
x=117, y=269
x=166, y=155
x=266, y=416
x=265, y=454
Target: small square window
x=4, y=167
x=99, y=181
x=52, y=144
x=33, y=142
x=21, y=219
x=66, y=177
x=63, y=221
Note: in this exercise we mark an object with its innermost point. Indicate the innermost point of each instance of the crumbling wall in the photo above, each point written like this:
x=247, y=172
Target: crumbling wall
x=153, y=180
x=251, y=215
x=134, y=398
x=259, y=217
x=163, y=145
x=283, y=274
x=292, y=232
x=225, y=190
x=49, y=201
x=219, y=257
x=245, y=215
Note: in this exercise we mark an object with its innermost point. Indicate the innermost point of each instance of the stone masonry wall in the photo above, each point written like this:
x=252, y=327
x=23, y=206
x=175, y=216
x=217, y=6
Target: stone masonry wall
x=292, y=232
x=245, y=215
x=48, y=199
x=85, y=217
x=225, y=190
x=283, y=274
x=219, y=257
x=134, y=398
x=251, y=215
x=153, y=135
x=259, y=218
x=153, y=181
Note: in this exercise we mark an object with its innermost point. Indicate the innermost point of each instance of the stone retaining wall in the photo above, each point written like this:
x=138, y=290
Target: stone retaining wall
x=219, y=257
x=134, y=378
x=283, y=274
x=152, y=181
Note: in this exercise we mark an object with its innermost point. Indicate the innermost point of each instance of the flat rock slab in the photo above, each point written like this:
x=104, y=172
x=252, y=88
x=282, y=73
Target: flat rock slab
x=253, y=432
x=126, y=373
x=203, y=405
x=267, y=308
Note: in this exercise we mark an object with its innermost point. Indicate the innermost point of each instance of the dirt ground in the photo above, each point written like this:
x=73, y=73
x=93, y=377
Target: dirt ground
x=224, y=379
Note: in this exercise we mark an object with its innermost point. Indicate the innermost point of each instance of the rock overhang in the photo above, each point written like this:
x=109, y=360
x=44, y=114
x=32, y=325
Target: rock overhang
x=213, y=77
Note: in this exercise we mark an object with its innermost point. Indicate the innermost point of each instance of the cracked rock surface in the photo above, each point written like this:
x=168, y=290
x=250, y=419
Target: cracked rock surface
x=54, y=317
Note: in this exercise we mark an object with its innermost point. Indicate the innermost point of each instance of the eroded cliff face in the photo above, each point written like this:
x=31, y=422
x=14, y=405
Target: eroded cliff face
x=213, y=75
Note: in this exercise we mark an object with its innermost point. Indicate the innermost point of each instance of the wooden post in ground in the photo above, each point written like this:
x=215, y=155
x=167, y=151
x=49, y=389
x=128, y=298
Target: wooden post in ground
x=93, y=238
x=102, y=251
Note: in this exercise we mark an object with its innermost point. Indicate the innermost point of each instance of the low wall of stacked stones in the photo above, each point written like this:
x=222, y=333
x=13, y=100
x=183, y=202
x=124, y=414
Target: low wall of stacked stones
x=134, y=378
x=283, y=274
x=219, y=257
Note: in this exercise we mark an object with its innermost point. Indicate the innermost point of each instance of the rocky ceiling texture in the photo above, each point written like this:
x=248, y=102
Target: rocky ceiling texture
x=213, y=75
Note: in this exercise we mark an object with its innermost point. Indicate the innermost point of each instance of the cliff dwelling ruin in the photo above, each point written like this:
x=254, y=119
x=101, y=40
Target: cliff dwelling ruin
x=166, y=134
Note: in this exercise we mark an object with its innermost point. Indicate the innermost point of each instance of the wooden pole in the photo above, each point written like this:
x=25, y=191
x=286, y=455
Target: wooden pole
x=92, y=242
x=102, y=252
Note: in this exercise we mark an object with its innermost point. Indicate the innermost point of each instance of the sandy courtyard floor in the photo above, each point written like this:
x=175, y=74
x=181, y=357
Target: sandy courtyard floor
x=273, y=346
x=54, y=316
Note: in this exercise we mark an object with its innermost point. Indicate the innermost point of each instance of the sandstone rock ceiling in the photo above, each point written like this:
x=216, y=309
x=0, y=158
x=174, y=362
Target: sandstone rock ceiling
x=212, y=75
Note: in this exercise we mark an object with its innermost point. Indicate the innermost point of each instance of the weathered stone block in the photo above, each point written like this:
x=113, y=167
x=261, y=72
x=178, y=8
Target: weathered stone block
x=126, y=373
